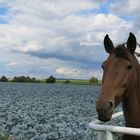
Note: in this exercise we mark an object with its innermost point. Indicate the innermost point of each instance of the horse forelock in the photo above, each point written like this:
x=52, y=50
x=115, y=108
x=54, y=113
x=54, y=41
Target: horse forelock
x=122, y=52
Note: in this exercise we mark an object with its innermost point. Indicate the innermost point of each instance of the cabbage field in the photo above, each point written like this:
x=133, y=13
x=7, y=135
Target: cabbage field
x=47, y=111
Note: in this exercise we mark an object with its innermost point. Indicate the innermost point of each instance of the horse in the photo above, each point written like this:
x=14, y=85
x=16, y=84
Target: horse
x=120, y=83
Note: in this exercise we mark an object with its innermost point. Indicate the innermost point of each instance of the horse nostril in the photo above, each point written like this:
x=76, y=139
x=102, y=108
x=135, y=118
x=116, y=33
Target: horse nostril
x=110, y=104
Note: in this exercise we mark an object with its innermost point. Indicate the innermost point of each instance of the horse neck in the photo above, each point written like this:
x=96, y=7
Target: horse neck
x=131, y=104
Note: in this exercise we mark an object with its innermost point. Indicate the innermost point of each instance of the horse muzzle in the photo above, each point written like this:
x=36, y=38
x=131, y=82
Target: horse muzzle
x=104, y=115
x=104, y=111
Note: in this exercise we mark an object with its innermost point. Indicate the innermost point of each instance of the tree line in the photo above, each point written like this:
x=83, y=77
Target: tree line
x=27, y=79
x=50, y=79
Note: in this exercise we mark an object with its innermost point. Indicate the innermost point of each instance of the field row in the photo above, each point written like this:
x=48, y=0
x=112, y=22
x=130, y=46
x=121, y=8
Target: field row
x=47, y=111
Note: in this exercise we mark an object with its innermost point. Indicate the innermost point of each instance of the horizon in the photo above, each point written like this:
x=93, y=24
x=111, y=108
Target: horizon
x=62, y=38
x=44, y=78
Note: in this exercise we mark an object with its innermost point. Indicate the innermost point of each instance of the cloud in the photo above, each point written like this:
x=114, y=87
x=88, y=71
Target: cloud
x=65, y=43
x=50, y=9
x=129, y=10
x=82, y=73
x=31, y=46
x=68, y=72
x=126, y=7
x=43, y=38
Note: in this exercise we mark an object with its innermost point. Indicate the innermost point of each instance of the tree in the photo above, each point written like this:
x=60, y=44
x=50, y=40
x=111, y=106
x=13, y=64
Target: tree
x=67, y=82
x=27, y=79
x=51, y=79
x=3, y=79
x=93, y=80
x=19, y=79
x=24, y=79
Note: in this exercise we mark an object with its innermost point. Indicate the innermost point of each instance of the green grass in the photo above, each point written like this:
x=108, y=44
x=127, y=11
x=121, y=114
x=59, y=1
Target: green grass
x=77, y=81
x=72, y=81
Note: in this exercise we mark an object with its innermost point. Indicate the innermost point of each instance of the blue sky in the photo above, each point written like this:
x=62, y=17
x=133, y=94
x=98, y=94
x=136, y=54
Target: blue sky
x=62, y=38
x=3, y=11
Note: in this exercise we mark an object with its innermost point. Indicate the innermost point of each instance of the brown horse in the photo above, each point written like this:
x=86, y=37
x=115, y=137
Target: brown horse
x=121, y=82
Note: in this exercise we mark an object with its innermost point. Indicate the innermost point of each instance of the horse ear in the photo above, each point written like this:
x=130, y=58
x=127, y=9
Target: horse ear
x=108, y=44
x=131, y=43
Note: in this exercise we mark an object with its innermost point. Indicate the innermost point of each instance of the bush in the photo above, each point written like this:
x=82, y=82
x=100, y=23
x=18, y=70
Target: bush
x=93, y=80
x=67, y=82
x=3, y=79
x=25, y=79
x=51, y=79
x=19, y=79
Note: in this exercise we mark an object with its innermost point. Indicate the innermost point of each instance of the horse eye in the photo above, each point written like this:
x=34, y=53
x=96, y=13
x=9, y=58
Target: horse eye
x=102, y=66
x=129, y=67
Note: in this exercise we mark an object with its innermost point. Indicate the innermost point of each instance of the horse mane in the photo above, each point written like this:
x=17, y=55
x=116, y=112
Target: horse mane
x=122, y=52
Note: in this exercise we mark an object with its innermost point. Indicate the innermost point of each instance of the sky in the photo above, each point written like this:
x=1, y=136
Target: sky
x=63, y=38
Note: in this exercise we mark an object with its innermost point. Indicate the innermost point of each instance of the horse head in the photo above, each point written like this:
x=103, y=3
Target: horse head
x=119, y=74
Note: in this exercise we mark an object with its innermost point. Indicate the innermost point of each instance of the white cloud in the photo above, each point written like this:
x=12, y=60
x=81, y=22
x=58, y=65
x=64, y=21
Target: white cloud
x=11, y=64
x=69, y=72
x=126, y=7
x=31, y=46
x=3, y=2
x=130, y=10
x=50, y=9
x=60, y=70
x=49, y=33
